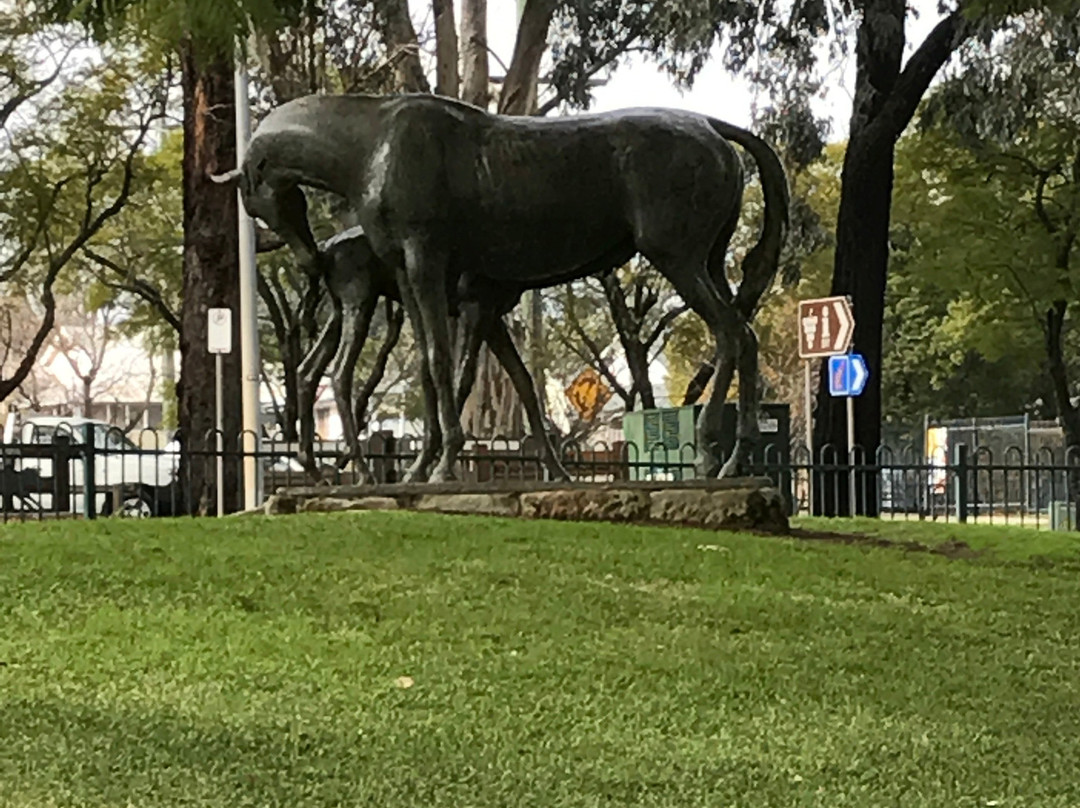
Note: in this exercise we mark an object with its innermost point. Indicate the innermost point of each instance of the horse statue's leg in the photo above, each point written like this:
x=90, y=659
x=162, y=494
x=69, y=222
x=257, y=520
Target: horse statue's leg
x=431, y=445
x=747, y=431
x=425, y=277
x=689, y=276
x=502, y=345
x=419, y=470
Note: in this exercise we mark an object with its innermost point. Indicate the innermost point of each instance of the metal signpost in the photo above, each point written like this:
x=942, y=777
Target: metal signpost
x=826, y=328
x=219, y=343
x=847, y=378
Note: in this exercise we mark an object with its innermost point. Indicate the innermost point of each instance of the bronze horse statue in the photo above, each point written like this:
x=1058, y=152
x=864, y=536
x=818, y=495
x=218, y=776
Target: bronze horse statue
x=455, y=198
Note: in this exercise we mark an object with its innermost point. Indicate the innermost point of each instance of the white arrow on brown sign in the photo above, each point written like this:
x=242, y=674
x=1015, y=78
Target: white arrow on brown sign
x=826, y=326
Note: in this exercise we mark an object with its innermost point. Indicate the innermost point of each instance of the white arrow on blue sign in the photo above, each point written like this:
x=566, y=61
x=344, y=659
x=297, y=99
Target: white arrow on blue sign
x=847, y=375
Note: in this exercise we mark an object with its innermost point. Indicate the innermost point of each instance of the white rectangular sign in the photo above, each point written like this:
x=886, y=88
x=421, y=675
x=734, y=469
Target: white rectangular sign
x=219, y=331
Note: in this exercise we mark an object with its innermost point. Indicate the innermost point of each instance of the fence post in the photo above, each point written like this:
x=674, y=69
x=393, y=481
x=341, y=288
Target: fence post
x=61, y=499
x=960, y=460
x=89, y=473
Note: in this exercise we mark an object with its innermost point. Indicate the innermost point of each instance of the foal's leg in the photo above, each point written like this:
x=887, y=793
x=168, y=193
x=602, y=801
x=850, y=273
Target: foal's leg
x=354, y=332
x=309, y=374
x=473, y=324
x=502, y=345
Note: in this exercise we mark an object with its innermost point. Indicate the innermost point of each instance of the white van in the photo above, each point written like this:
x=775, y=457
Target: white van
x=143, y=480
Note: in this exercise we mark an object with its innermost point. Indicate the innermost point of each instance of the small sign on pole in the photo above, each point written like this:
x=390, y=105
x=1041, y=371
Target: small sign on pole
x=219, y=331
x=219, y=343
x=847, y=378
x=826, y=327
x=847, y=375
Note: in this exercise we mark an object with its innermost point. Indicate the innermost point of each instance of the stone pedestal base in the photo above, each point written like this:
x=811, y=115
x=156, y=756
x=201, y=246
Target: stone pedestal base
x=750, y=503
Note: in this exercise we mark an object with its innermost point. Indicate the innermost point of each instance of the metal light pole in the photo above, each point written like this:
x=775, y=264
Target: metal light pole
x=249, y=310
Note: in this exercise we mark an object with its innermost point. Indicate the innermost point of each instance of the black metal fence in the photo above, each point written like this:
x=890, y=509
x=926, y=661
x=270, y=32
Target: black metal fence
x=82, y=470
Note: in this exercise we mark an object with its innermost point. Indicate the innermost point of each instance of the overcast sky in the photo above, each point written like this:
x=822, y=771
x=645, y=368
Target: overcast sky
x=637, y=82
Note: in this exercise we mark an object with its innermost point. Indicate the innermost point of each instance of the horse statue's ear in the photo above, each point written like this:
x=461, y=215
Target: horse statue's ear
x=228, y=178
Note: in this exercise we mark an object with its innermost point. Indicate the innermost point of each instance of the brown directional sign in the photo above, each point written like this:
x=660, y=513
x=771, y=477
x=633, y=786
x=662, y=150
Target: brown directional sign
x=826, y=326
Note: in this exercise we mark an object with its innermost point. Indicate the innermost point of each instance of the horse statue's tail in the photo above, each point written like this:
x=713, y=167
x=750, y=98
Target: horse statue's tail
x=761, y=263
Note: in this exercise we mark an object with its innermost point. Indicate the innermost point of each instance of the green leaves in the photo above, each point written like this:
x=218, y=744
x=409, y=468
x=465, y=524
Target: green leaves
x=986, y=213
x=214, y=25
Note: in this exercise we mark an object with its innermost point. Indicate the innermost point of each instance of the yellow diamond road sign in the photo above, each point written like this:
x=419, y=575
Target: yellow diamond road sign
x=588, y=394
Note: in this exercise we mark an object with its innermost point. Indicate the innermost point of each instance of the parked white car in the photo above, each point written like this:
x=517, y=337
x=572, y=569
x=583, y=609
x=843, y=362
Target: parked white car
x=144, y=480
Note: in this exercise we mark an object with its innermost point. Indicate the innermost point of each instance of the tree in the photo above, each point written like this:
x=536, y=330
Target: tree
x=888, y=90
x=88, y=329
x=946, y=355
x=71, y=167
x=202, y=35
x=995, y=179
x=627, y=313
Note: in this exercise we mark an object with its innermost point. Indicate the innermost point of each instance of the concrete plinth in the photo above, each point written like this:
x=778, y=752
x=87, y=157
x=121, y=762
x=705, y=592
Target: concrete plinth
x=748, y=503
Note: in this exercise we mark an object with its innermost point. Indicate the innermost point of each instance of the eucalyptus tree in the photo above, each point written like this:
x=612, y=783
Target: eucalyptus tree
x=75, y=135
x=992, y=199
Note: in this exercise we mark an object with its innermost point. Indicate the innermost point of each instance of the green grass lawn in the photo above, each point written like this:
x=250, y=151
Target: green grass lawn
x=259, y=662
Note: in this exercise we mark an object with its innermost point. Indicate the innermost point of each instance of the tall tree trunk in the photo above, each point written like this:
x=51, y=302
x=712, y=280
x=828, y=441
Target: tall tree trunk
x=211, y=273
x=885, y=100
x=446, y=48
x=494, y=408
x=637, y=362
x=860, y=271
x=474, y=53
x=396, y=28
x=518, y=95
x=1068, y=414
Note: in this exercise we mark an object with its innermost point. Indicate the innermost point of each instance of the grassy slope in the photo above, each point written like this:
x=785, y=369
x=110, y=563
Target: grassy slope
x=253, y=662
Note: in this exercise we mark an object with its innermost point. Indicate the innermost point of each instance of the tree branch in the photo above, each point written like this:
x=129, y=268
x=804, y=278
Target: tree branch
x=597, y=355
x=398, y=33
x=664, y=323
x=20, y=259
x=12, y=105
x=915, y=78
x=137, y=286
x=518, y=96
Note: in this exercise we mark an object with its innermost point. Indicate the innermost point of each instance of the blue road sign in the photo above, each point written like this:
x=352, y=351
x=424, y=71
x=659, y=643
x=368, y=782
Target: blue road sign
x=847, y=375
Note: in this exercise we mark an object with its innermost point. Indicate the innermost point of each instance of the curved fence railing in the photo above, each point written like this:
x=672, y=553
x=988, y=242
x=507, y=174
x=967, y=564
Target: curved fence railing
x=66, y=469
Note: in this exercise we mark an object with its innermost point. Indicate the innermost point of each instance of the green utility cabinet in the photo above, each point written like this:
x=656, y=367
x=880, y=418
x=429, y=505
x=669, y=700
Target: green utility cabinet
x=662, y=443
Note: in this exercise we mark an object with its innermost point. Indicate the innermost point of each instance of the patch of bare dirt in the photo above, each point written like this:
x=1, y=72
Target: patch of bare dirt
x=952, y=548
